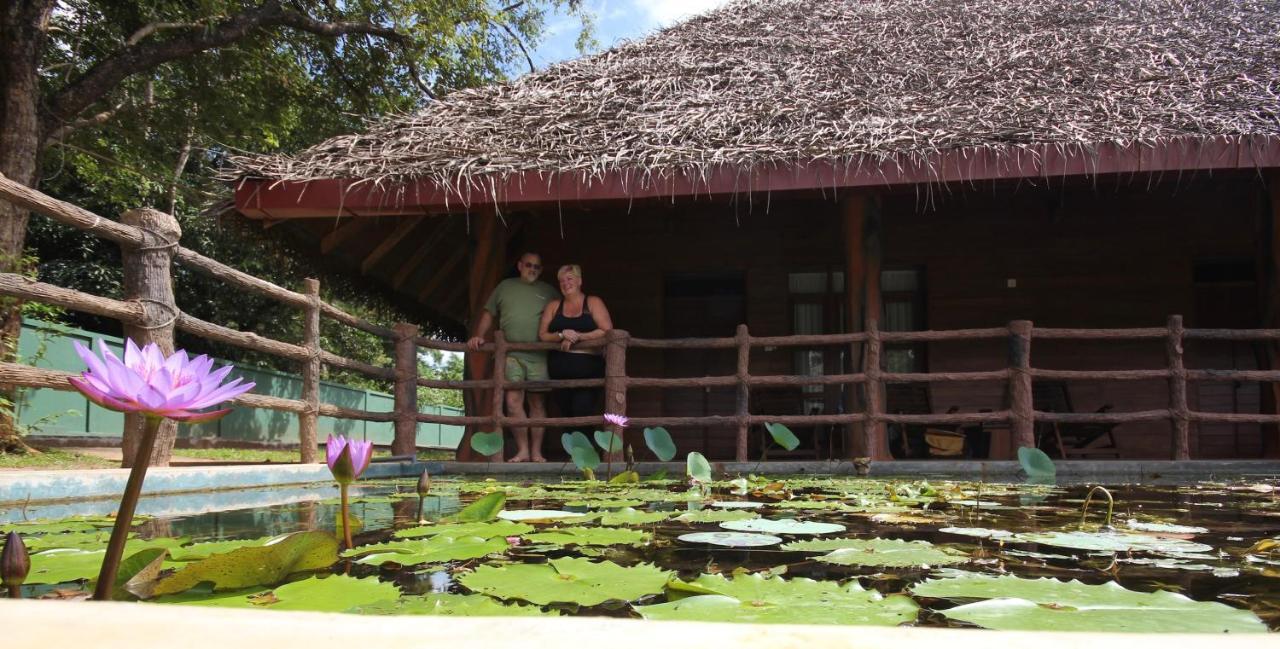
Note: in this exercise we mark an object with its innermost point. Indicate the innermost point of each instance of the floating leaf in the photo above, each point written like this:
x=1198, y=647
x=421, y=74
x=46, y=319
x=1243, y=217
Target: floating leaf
x=1050, y=605
x=980, y=532
x=137, y=574
x=570, y=580
x=731, y=539
x=783, y=436
x=589, y=536
x=64, y=564
x=436, y=549
x=451, y=605
x=1112, y=542
x=659, y=441
x=254, y=566
x=626, y=477
x=333, y=593
x=716, y=516
x=485, y=530
x=486, y=444
x=1163, y=528
x=537, y=515
x=878, y=552
x=1035, y=463
x=197, y=551
x=608, y=441
x=753, y=598
x=698, y=468
x=580, y=450
x=736, y=504
x=630, y=516
x=783, y=526
x=484, y=509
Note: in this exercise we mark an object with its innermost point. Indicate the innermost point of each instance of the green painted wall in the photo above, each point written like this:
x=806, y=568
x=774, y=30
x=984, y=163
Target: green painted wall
x=68, y=414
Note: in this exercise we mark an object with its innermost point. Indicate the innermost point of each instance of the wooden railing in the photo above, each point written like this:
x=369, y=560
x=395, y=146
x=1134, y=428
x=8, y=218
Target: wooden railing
x=149, y=241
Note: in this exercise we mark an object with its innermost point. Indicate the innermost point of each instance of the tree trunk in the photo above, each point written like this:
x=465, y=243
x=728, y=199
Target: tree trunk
x=22, y=35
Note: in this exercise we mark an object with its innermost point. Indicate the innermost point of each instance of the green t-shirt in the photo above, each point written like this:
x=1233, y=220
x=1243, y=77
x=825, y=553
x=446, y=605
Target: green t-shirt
x=518, y=307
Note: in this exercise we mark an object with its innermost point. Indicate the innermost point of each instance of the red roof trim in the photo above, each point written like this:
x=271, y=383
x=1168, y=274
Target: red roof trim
x=324, y=198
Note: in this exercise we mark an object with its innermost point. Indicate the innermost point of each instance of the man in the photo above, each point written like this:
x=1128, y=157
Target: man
x=517, y=303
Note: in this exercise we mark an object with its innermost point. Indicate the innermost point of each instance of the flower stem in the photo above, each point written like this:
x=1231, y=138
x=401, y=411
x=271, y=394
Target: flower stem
x=124, y=516
x=346, y=517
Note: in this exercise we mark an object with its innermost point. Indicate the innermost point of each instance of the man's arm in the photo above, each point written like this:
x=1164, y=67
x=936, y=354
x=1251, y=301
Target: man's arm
x=482, y=330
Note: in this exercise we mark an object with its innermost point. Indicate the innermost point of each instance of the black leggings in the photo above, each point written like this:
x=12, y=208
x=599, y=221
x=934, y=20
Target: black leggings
x=576, y=402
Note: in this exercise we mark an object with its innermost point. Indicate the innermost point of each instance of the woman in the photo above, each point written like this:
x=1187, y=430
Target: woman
x=571, y=320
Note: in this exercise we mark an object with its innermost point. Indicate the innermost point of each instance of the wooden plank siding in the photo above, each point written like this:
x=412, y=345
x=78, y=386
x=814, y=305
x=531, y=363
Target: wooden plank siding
x=1111, y=253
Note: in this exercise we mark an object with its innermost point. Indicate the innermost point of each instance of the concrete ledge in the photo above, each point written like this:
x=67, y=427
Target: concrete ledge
x=52, y=486
x=107, y=625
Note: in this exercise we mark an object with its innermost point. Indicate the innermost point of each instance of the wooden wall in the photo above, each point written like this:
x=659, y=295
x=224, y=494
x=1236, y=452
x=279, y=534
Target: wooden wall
x=1084, y=254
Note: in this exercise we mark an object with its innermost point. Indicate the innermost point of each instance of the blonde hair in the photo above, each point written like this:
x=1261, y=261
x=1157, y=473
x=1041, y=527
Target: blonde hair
x=568, y=269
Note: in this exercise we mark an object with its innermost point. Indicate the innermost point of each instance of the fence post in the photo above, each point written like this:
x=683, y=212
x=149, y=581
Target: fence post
x=497, y=384
x=615, y=378
x=308, y=422
x=874, y=429
x=1179, y=413
x=1021, y=405
x=147, y=280
x=406, y=392
x=742, y=339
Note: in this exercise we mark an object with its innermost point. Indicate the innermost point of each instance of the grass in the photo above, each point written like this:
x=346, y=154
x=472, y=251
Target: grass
x=55, y=458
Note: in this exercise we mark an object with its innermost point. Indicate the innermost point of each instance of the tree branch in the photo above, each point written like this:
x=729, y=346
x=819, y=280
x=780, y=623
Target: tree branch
x=149, y=29
x=93, y=120
x=516, y=37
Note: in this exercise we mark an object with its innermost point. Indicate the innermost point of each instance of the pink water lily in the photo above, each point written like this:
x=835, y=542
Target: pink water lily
x=347, y=458
x=147, y=383
x=616, y=420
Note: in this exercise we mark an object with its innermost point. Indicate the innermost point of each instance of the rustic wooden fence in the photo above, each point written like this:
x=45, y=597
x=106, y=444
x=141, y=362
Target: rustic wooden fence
x=149, y=241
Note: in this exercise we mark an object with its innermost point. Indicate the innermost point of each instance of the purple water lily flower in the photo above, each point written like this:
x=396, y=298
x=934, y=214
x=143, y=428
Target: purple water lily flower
x=616, y=420
x=347, y=458
x=146, y=382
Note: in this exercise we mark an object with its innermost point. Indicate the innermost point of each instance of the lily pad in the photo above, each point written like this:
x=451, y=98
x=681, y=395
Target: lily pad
x=608, y=441
x=483, y=509
x=783, y=526
x=486, y=530
x=589, y=536
x=783, y=436
x=569, y=580
x=1035, y=463
x=1163, y=528
x=698, y=468
x=254, y=566
x=736, y=504
x=334, y=593
x=879, y=552
x=1048, y=604
x=451, y=604
x=731, y=539
x=197, y=551
x=486, y=444
x=980, y=532
x=436, y=549
x=754, y=598
x=716, y=516
x=64, y=564
x=1112, y=542
x=537, y=515
x=659, y=441
x=580, y=450
x=631, y=516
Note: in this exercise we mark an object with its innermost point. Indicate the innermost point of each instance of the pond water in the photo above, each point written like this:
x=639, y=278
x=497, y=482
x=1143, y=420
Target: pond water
x=1202, y=557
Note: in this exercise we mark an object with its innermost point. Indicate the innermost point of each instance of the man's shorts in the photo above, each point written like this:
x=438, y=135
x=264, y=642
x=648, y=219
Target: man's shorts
x=527, y=366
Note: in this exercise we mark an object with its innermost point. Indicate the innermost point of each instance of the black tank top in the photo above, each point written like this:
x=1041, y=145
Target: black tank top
x=583, y=322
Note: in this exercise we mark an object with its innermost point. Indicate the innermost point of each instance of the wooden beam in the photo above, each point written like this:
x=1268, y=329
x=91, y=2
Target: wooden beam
x=442, y=273
x=342, y=233
x=490, y=245
x=397, y=235
x=415, y=259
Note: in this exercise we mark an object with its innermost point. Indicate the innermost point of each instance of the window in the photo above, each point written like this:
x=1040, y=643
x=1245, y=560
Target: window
x=902, y=297
x=817, y=307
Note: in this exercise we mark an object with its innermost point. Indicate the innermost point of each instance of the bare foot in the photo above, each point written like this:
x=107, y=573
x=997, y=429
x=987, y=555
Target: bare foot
x=539, y=458
x=520, y=457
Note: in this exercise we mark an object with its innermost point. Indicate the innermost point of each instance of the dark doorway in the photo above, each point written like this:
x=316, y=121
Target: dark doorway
x=1226, y=297
x=702, y=305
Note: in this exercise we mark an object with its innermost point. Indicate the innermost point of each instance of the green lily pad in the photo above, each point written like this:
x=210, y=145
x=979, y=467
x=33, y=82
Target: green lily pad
x=64, y=564
x=731, y=539
x=783, y=436
x=1035, y=463
x=698, y=468
x=580, y=450
x=436, y=549
x=659, y=441
x=254, y=566
x=1169, y=528
x=716, y=516
x=334, y=593
x=980, y=532
x=138, y=573
x=486, y=530
x=486, y=444
x=878, y=552
x=197, y=551
x=205, y=596
x=1112, y=542
x=570, y=580
x=626, y=516
x=95, y=539
x=537, y=515
x=589, y=536
x=754, y=598
x=32, y=528
x=736, y=504
x=783, y=526
x=1049, y=605
x=483, y=509
x=451, y=604
x=608, y=441
x=614, y=503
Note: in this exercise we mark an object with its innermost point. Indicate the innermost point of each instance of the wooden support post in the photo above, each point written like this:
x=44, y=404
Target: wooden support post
x=308, y=422
x=1021, y=406
x=1271, y=310
x=497, y=385
x=615, y=377
x=876, y=442
x=1179, y=413
x=487, y=260
x=742, y=410
x=147, y=280
x=406, y=390
x=862, y=287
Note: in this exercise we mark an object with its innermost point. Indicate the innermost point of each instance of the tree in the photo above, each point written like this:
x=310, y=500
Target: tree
x=163, y=88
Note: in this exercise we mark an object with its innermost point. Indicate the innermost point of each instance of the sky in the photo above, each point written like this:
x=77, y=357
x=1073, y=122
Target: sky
x=615, y=20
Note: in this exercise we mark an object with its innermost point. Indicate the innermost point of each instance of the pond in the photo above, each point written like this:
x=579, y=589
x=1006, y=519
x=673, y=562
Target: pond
x=823, y=550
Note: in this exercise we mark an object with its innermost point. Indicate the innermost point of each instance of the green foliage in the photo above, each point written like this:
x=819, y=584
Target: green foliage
x=487, y=444
x=438, y=366
x=256, y=566
x=783, y=436
x=698, y=468
x=608, y=441
x=659, y=441
x=570, y=580
x=483, y=509
x=1035, y=463
x=755, y=598
x=580, y=450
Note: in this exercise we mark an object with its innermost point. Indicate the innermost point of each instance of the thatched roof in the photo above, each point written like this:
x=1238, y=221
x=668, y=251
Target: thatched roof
x=763, y=84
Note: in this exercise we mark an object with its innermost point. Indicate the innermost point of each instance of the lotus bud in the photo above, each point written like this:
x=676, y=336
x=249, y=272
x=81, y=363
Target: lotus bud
x=14, y=563
x=424, y=484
